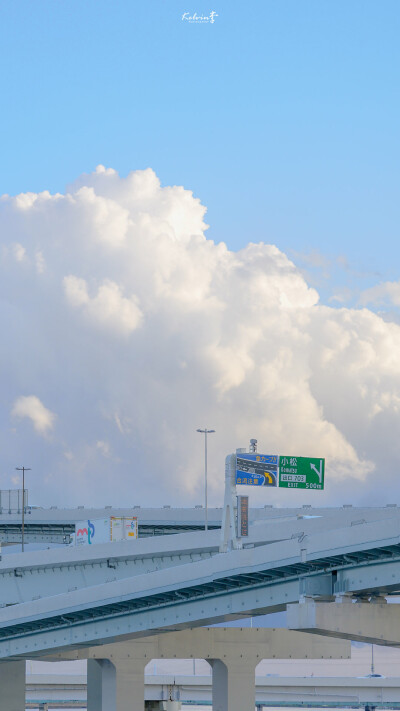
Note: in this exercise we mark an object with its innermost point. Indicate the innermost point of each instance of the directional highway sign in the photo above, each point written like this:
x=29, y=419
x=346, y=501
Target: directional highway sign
x=301, y=473
x=286, y=472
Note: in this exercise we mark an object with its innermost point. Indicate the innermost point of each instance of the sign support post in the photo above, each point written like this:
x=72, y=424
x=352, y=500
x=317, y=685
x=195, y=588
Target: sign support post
x=229, y=538
x=252, y=469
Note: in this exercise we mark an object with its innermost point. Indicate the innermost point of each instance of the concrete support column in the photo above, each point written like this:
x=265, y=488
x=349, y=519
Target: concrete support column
x=101, y=685
x=233, y=684
x=130, y=684
x=12, y=686
x=116, y=685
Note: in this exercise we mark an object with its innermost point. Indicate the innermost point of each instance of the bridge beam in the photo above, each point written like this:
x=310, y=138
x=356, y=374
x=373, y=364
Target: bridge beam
x=233, y=654
x=371, y=622
x=12, y=686
x=213, y=643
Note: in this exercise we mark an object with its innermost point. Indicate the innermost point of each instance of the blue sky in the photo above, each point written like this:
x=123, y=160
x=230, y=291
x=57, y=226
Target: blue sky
x=282, y=116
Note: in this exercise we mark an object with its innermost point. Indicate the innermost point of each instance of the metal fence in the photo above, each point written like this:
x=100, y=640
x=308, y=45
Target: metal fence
x=11, y=500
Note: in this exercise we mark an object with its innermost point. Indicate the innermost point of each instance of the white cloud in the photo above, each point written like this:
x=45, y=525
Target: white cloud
x=108, y=308
x=104, y=448
x=19, y=252
x=32, y=408
x=387, y=292
x=40, y=263
x=342, y=295
x=142, y=330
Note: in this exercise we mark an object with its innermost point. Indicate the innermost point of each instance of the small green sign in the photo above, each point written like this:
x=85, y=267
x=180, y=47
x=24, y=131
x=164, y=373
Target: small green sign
x=301, y=473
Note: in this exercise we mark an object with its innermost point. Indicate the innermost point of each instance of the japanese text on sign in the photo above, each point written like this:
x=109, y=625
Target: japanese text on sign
x=284, y=471
x=257, y=469
x=243, y=516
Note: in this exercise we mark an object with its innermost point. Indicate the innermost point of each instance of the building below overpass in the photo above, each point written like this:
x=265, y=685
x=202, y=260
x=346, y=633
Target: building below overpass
x=70, y=691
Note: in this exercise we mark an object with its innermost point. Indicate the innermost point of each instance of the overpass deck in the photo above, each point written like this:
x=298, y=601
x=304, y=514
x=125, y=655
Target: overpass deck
x=88, y=596
x=56, y=525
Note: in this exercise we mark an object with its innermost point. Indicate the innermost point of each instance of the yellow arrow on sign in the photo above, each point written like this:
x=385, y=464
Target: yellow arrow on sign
x=269, y=478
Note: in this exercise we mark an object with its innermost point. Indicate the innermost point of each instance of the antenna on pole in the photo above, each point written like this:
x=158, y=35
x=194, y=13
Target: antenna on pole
x=253, y=446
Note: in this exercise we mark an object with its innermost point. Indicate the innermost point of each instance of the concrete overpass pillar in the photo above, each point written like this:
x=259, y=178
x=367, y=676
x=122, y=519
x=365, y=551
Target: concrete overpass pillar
x=233, y=684
x=12, y=686
x=130, y=684
x=116, y=685
x=101, y=685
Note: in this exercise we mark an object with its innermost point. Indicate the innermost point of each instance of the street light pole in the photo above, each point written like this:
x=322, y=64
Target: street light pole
x=205, y=432
x=23, y=470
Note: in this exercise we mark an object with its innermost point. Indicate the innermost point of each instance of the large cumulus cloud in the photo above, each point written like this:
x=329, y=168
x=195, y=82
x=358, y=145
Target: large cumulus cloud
x=128, y=329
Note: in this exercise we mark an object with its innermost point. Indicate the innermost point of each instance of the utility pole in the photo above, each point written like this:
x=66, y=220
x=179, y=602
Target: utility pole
x=23, y=470
x=205, y=432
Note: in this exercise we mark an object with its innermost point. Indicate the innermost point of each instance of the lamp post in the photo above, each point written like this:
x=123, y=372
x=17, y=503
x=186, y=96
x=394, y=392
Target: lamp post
x=205, y=432
x=23, y=470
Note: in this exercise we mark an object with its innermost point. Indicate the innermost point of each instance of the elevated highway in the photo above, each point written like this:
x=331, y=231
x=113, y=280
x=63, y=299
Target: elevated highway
x=74, y=596
x=55, y=525
x=74, y=599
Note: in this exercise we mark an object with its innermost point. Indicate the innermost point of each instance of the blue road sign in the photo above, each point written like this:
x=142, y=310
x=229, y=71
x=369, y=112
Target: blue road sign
x=257, y=469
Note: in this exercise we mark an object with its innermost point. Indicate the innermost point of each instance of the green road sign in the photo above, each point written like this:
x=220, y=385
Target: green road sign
x=301, y=473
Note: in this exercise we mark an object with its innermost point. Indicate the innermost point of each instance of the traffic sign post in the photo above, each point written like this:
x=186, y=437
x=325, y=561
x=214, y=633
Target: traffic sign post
x=253, y=469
